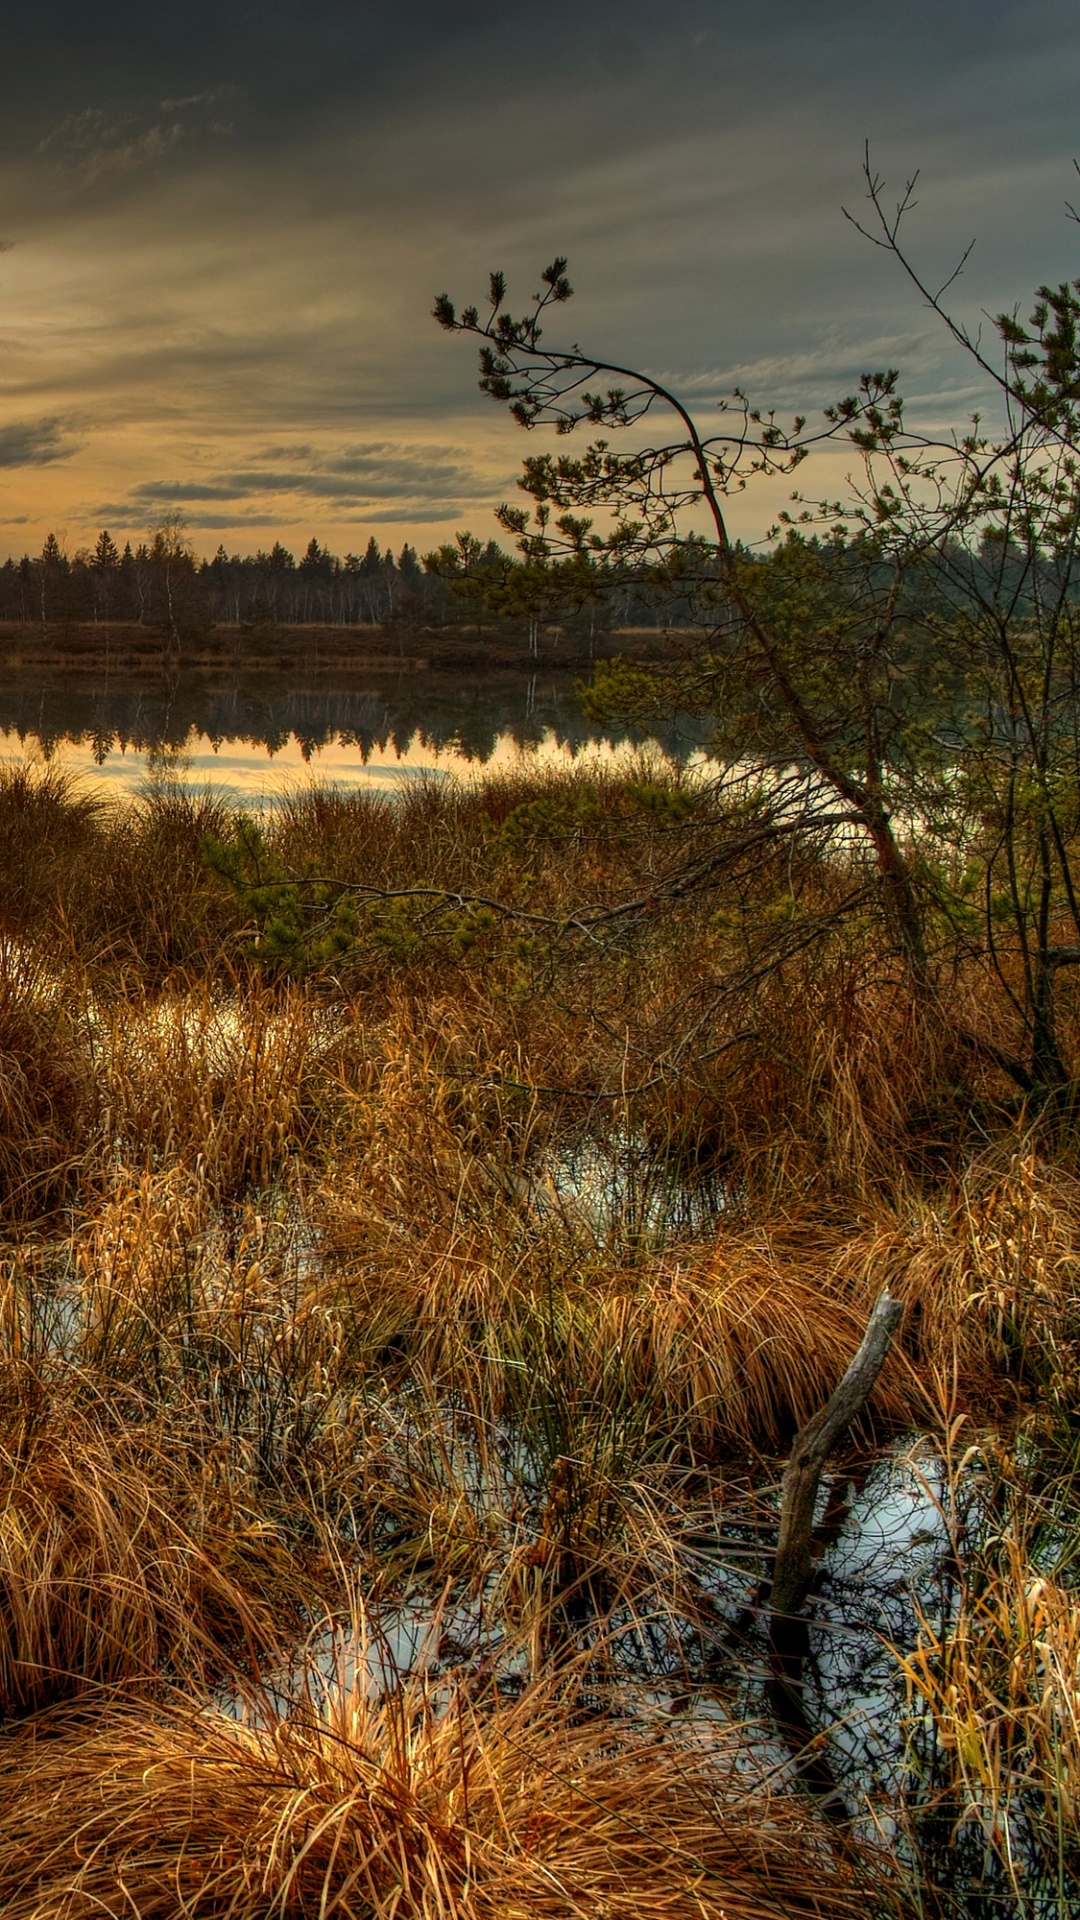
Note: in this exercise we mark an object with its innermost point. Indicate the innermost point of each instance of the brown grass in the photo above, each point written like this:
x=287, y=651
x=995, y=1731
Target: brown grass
x=992, y=1700
x=286, y=1264
x=464, y=1809
x=46, y=1088
x=221, y=1083
x=115, y=1563
x=50, y=828
x=988, y=1271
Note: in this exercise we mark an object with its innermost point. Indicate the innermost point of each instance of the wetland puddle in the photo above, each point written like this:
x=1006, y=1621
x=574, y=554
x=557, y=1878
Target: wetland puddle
x=889, y=1548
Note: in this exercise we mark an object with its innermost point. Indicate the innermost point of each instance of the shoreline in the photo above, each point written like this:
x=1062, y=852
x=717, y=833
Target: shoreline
x=91, y=648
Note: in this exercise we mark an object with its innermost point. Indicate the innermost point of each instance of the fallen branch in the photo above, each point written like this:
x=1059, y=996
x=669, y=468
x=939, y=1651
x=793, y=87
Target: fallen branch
x=793, y=1570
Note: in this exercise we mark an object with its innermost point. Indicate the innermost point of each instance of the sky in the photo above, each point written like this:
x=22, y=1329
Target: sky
x=222, y=226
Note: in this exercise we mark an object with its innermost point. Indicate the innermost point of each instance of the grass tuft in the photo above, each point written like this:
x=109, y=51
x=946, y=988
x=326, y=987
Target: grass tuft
x=115, y=1565
x=404, y=1809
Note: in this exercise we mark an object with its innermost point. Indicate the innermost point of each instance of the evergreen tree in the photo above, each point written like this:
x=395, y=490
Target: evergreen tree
x=910, y=654
x=105, y=572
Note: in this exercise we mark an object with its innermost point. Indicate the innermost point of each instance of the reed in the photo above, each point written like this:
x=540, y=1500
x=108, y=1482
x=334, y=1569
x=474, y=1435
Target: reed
x=222, y=1082
x=50, y=828
x=720, y=1346
x=993, y=1708
x=548, y=1524
x=298, y=1298
x=46, y=1087
x=987, y=1271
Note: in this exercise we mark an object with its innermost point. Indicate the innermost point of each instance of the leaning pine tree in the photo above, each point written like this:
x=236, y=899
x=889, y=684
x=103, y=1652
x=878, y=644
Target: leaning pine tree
x=894, y=675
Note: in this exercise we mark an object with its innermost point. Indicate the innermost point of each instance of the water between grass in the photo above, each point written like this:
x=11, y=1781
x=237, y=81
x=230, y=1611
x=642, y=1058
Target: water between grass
x=888, y=1549
x=887, y=1536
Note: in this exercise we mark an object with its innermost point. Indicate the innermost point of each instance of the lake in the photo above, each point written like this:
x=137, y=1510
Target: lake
x=255, y=736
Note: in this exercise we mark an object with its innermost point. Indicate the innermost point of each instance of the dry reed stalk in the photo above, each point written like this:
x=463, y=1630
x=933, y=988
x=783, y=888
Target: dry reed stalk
x=557, y=1514
x=841, y=1090
x=115, y=1563
x=137, y=1266
x=742, y=1350
x=211, y=1314
x=989, y=1275
x=145, y=906
x=729, y=1345
x=994, y=1705
x=50, y=830
x=46, y=1090
x=350, y=1810
x=224, y=1084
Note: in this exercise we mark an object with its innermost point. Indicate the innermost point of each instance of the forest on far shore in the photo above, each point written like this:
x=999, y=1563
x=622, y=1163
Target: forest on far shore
x=163, y=583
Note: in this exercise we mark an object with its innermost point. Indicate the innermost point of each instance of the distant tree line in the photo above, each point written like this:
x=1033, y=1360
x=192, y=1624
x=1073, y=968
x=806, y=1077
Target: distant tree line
x=161, y=582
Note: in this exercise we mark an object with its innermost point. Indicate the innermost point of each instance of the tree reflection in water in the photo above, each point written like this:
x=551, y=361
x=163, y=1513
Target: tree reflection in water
x=247, y=722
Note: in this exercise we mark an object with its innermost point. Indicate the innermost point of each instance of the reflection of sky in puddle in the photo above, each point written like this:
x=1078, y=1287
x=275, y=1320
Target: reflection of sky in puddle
x=620, y=1185
x=888, y=1561
x=251, y=774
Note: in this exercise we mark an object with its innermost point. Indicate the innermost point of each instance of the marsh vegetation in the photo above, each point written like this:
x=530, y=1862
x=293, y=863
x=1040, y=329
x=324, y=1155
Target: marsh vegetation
x=406, y=1310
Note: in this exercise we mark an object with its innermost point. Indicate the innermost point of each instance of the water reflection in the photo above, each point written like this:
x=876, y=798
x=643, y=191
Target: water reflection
x=253, y=731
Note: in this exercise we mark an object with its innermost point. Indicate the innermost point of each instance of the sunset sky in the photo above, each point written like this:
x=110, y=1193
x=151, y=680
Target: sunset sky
x=223, y=225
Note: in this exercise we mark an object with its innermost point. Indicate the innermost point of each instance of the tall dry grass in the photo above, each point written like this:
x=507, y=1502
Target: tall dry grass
x=50, y=830
x=988, y=1270
x=410, y=1808
x=802, y=1068
x=105, y=885
x=121, y=1562
x=297, y=1262
x=47, y=1091
x=224, y=1083
x=212, y=1312
x=993, y=1697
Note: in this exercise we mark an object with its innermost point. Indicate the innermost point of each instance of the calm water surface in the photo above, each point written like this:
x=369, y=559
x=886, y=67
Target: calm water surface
x=255, y=737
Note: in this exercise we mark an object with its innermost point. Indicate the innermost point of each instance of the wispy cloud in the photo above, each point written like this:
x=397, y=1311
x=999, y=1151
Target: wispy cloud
x=122, y=516
x=431, y=481
x=829, y=365
x=211, y=97
x=35, y=443
x=245, y=317
x=96, y=145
